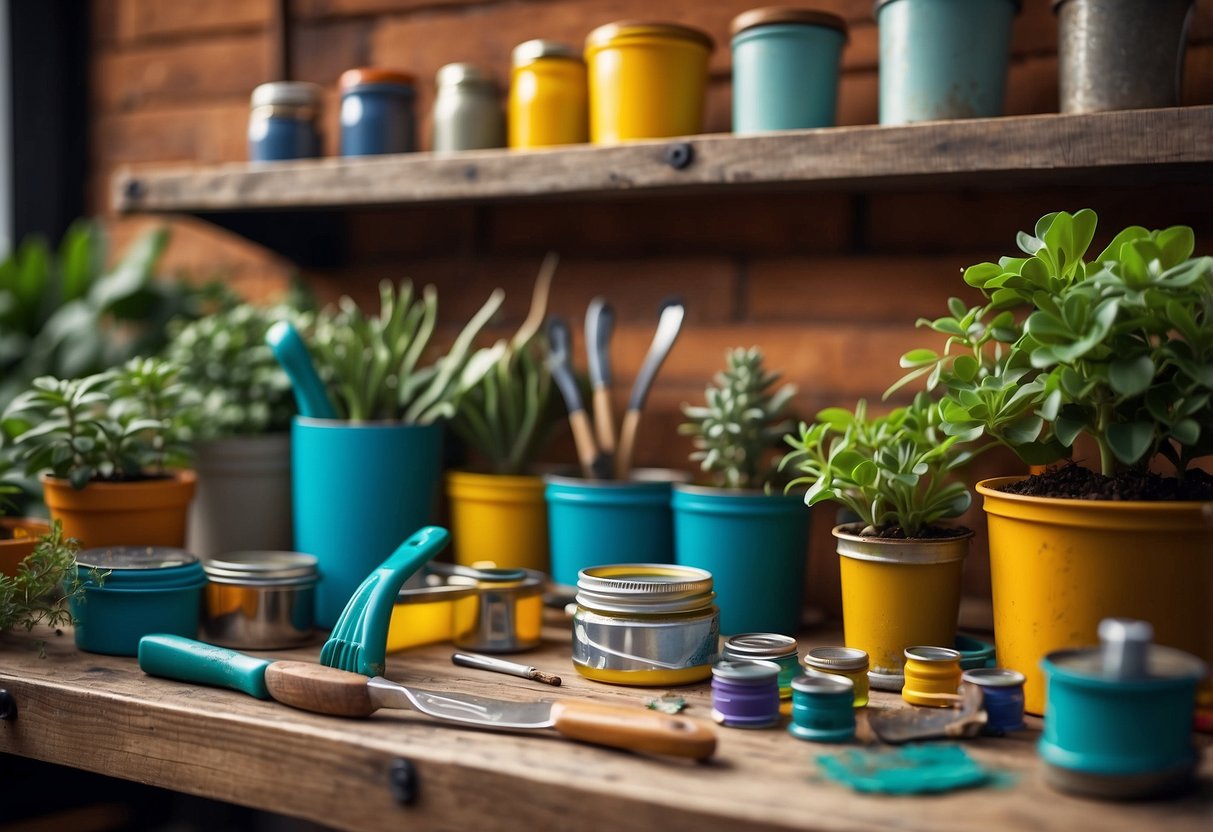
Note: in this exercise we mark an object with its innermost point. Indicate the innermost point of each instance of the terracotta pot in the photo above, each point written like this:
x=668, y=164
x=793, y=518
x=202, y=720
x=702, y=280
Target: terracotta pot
x=144, y=513
x=18, y=539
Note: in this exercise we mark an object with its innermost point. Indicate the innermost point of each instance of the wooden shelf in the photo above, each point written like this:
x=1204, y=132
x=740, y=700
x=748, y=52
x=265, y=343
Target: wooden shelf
x=102, y=714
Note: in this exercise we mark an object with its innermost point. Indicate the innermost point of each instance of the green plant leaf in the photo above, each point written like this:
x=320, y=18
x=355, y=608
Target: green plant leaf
x=1129, y=377
x=1130, y=441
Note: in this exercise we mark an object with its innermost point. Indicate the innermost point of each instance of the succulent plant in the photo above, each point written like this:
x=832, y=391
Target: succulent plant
x=741, y=423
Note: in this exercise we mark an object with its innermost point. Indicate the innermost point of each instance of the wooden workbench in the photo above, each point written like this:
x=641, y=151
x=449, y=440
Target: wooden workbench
x=103, y=714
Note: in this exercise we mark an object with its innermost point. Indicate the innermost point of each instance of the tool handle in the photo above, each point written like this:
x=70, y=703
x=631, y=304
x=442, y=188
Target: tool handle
x=320, y=689
x=635, y=729
x=186, y=660
x=604, y=423
x=310, y=393
x=627, y=444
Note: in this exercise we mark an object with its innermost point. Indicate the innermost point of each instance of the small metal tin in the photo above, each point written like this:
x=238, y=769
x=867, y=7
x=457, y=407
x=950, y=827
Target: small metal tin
x=548, y=99
x=645, y=624
x=504, y=614
x=467, y=111
x=745, y=693
x=282, y=121
x=822, y=708
x=1002, y=696
x=974, y=653
x=781, y=649
x=148, y=589
x=259, y=600
x=932, y=676
x=377, y=112
x=847, y=662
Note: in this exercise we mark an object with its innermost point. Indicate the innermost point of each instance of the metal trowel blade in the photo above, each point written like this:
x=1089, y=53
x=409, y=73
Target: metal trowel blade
x=898, y=725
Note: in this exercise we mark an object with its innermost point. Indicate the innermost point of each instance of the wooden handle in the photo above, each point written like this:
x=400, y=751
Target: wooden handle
x=323, y=690
x=636, y=729
x=604, y=424
x=583, y=438
x=627, y=444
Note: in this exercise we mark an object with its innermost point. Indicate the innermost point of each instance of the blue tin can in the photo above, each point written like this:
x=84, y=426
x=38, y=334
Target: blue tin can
x=149, y=589
x=943, y=59
x=377, y=113
x=745, y=694
x=772, y=647
x=282, y=121
x=1002, y=696
x=822, y=708
x=785, y=69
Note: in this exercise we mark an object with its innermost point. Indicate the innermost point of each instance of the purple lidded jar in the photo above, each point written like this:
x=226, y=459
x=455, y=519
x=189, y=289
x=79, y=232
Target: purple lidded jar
x=745, y=694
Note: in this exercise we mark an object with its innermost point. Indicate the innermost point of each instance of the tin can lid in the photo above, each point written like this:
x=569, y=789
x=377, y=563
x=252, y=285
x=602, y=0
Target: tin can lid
x=609, y=33
x=759, y=646
x=814, y=682
x=464, y=73
x=836, y=658
x=753, y=671
x=932, y=654
x=257, y=566
x=1161, y=663
x=533, y=50
x=993, y=677
x=135, y=558
x=879, y=4
x=289, y=93
x=646, y=588
x=769, y=15
x=375, y=75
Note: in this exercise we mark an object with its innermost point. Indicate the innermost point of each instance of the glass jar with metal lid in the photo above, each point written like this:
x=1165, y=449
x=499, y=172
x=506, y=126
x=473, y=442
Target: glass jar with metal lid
x=259, y=600
x=849, y=662
x=145, y=589
x=548, y=103
x=282, y=121
x=781, y=649
x=377, y=112
x=467, y=110
x=645, y=624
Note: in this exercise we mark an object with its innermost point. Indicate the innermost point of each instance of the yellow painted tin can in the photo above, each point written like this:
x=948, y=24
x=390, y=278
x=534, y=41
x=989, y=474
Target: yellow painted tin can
x=848, y=662
x=549, y=99
x=646, y=80
x=932, y=676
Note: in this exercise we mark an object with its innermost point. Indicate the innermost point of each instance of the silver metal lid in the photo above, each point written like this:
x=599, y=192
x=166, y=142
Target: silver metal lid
x=464, y=73
x=836, y=658
x=993, y=677
x=533, y=50
x=286, y=93
x=746, y=671
x=932, y=654
x=260, y=566
x=1124, y=643
x=812, y=681
x=1161, y=663
x=645, y=588
x=759, y=646
x=135, y=557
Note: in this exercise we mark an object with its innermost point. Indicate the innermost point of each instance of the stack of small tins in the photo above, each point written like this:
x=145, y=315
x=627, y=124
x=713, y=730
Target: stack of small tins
x=774, y=647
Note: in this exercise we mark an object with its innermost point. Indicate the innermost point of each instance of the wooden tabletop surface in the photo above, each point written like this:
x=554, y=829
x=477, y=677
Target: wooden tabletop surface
x=101, y=713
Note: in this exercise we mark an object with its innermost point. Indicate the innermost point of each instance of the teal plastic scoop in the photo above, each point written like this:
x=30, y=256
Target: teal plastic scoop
x=310, y=395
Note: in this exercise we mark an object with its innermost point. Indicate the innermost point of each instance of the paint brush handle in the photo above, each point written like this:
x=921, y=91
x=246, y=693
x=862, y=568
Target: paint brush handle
x=495, y=665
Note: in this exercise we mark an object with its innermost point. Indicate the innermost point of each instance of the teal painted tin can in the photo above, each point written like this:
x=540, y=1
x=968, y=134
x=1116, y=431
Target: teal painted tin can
x=943, y=59
x=358, y=490
x=974, y=653
x=754, y=544
x=822, y=708
x=785, y=69
x=773, y=647
x=149, y=589
x=604, y=522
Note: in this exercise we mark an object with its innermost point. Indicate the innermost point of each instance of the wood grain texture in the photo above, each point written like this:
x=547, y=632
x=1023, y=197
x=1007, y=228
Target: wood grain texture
x=102, y=714
x=319, y=689
x=635, y=728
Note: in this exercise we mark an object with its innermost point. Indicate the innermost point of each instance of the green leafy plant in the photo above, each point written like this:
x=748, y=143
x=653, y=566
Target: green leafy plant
x=374, y=365
x=741, y=422
x=125, y=424
x=892, y=471
x=1119, y=348
x=45, y=582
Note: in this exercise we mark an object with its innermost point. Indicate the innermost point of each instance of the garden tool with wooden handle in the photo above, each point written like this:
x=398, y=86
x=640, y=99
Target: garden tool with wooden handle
x=668, y=326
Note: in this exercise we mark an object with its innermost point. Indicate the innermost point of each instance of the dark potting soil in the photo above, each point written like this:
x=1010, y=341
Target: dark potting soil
x=929, y=533
x=1073, y=482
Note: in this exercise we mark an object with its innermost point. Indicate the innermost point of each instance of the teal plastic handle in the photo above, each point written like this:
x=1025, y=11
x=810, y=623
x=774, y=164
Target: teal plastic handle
x=310, y=394
x=176, y=657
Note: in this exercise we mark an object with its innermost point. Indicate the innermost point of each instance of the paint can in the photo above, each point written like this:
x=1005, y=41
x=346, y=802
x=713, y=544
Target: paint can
x=848, y=662
x=822, y=708
x=932, y=676
x=283, y=121
x=780, y=649
x=745, y=693
x=1002, y=696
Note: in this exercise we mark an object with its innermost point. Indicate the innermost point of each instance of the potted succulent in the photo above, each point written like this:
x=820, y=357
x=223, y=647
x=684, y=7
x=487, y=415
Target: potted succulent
x=900, y=567
x=754, y=542
x=503, y=415
x=109, y=448
x=242, y=438
x=1115, y=352
x=366, y=473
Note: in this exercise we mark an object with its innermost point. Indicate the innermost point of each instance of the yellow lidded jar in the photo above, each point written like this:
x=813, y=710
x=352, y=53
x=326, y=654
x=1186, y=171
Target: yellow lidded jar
x=645, y=624
x=646, y=80
x=932, y=676
x=549, y=100
x=848, y=662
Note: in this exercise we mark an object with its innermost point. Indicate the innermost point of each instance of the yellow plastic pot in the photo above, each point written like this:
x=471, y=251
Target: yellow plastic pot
x=498, y=519
x=1059, y=566
x=898, y=594
x=647, y=80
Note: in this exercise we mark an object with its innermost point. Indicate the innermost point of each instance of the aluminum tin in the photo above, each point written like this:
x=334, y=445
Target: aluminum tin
x=507, y=614
x=259, y=600
x=534, y=50
x=467, y=112
x=745, y=693
x=822, y=709
x=849, y=663
x=1002, y=697
x=781, y=649
x=644, y=589
x=144, y=559
x=932, y=675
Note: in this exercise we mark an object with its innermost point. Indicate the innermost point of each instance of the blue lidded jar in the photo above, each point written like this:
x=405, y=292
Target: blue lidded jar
x=283, y=121
x=377, y=113
x=1002, y=696
x=145, y=589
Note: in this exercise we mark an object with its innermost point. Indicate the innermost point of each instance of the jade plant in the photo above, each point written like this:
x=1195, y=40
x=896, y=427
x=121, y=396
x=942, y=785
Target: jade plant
x=742, y=420
x=894, y=472
x=1118, y=347
x=131, y=423
x=375, y=366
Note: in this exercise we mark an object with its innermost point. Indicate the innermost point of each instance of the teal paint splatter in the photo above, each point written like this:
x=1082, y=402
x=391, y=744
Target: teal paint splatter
x=909, y=769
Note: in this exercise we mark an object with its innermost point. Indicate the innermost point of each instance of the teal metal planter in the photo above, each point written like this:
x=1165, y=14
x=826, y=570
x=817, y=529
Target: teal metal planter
x=943, y=59
x=785, y=69
x=755, y=546
x=358, y=489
